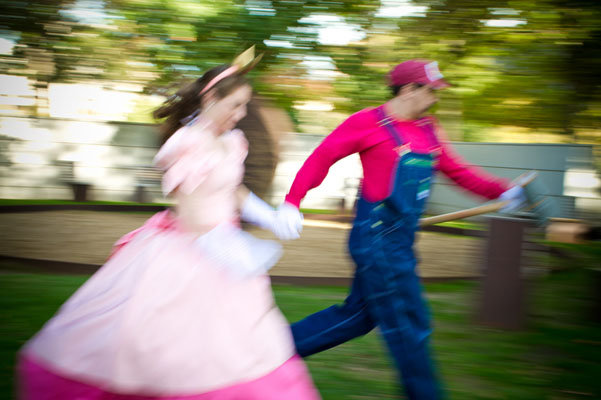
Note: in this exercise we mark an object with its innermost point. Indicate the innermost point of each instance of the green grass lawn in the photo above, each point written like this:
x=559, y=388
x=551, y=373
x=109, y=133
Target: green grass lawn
x=558, y=356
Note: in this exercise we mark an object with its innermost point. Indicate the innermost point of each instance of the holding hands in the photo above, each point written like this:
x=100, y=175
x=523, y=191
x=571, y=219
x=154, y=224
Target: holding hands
x=286, y=222
x=290, y=222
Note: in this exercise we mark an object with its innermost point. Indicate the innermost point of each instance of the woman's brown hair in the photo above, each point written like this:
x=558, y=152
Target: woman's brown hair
x=187, y=101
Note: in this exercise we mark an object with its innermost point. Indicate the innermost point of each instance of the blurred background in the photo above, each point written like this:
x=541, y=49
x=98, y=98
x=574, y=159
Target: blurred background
x=80, y=79
x=530, y=69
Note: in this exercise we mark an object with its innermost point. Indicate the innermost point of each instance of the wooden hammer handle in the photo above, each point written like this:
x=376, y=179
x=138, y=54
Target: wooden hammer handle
x=470, y=212
x=522, y=180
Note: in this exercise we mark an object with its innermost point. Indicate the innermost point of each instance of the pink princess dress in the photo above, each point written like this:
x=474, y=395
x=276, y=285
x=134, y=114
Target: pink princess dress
x=183, y=308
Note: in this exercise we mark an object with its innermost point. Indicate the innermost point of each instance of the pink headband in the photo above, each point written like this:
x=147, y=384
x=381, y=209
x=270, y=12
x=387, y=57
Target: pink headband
x=228, y=72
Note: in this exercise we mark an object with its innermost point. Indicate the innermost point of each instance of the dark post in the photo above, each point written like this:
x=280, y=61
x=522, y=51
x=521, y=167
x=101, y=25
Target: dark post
x=502, y=290
x=80, y=191
x=140, y=195
x=596, y=285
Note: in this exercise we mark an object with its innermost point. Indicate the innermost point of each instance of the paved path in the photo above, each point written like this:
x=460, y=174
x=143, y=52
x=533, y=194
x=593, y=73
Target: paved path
x=87, y=236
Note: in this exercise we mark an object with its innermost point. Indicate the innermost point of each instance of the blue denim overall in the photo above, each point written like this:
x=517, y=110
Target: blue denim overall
x=386, y=290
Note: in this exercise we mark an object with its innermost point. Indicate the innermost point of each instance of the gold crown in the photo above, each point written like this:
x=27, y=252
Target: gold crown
x=246, y=60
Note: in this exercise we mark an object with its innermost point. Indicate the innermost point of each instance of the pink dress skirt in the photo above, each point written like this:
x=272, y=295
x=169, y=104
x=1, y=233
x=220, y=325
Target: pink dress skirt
x=166, y=318
x=290, y=381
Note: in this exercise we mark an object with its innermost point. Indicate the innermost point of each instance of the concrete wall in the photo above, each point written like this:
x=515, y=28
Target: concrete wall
x=555, y=164
x=39, y=157
x=44, y=157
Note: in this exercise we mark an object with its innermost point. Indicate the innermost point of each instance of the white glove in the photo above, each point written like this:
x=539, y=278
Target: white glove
x=285, y=223
x=290, y=222
x=258, y=212
x=516, y=198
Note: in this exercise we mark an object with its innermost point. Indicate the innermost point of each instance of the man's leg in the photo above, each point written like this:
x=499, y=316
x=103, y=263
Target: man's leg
x=334, y=325
x=395, y=301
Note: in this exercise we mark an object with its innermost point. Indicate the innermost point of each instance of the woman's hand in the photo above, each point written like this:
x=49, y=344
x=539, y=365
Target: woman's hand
x=286, y=222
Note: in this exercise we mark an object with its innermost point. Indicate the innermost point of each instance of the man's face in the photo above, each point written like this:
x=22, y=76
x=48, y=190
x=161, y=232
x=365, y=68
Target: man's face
x=423, y=97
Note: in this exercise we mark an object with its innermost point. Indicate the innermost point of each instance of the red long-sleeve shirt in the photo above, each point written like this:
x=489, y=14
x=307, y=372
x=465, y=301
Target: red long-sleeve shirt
x=360, y=133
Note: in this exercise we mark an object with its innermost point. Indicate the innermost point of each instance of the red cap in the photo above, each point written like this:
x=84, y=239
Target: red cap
x=417, y=71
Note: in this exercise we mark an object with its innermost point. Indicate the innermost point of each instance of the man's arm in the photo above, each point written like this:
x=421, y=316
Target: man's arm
x=343, y=141
x=469, y=177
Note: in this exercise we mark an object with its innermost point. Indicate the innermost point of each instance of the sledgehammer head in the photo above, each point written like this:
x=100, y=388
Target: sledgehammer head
x=540, y=205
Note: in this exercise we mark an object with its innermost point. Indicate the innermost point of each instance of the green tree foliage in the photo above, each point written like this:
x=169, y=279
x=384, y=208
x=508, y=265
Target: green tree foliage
x=534, y=64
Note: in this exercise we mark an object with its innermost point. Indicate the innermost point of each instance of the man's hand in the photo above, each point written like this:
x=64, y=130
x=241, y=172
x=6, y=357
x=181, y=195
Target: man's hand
x=516, y=198
x=289, y=222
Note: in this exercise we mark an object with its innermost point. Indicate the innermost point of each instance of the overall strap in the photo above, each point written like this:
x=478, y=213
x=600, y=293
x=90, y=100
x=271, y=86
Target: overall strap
x=386, y=121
